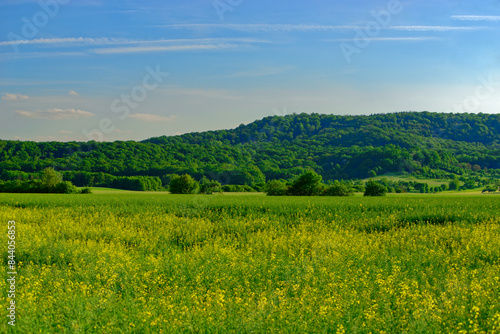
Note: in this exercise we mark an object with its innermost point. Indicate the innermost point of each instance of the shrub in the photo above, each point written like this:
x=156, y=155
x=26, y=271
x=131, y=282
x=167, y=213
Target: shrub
x=308, y=184
x=184, y=184
x=375, y=189
x=338, y=189
x=86, y=191
x=65, y=187
x=136, y=183
x=276, y=188
x=455, y=184
x=209, y=187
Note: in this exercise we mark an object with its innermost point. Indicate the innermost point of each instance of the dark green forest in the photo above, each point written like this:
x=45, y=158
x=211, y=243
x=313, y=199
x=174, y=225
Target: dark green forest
x=436, y=145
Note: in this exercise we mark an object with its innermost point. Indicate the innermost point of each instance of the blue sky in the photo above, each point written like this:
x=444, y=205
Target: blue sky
x=131, y=70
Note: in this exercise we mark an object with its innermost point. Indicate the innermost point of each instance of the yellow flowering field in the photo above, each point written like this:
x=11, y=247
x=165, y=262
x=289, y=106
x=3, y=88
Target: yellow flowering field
x=158, y=263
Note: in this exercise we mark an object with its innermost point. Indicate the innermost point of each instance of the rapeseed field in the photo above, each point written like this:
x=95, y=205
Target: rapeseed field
x=158, y=263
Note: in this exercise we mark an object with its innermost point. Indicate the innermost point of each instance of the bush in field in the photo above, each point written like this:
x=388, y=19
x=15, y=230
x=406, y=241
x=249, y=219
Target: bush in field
x=375, y=189
x=65, y=187
x=86, y=191
x=455, y=184
x=276, y=188
x=237, y=188
x=136, y=183
x=209, y=187
x=184, y=184
x=308, y=184
x=338, y=189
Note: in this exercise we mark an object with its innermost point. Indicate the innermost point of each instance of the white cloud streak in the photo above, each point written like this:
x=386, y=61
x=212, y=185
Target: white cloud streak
x=58, y=41
x=62, y=42
x=260, y=27
x=488, y=18
x=55, y=114
x=436, y=28
x=306, y=27
x=388, y=39
x=173, y=48
x=152, y=118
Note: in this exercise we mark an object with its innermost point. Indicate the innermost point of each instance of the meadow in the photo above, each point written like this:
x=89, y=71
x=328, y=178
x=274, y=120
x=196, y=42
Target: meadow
x=129, y=262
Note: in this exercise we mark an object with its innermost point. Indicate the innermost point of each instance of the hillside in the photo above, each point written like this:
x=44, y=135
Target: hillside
x=337, y=147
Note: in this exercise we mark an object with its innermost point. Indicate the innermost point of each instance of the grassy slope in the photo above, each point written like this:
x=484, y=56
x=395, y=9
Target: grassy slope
x=407, y=178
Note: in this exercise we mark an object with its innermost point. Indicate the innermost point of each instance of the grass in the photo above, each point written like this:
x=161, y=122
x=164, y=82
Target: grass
x=395, y=177
x=137, y=263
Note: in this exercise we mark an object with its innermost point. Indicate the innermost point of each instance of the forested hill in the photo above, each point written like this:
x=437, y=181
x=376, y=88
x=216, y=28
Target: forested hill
x=338, y=147
x=374, y=130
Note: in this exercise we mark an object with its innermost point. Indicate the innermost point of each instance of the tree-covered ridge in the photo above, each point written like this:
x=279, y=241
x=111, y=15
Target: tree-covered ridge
x=337, y=147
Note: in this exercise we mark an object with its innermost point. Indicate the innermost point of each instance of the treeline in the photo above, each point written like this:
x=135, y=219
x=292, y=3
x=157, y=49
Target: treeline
x=434, y=145
x=186, y=184
x=310, y=184
x=50, y=182
x=136, y=183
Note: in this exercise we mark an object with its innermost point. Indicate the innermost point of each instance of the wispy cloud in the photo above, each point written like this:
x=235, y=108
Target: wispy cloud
x=305, y=27
x=436, y=28
x=123, y=46
x=388, y=39
x=475, y=18
x=72, y=41
x=73, y=93
x=142, y=49
x=260, y=27
x=55, y=114
x=152, y=118
x=59, y=41
x=14, y=97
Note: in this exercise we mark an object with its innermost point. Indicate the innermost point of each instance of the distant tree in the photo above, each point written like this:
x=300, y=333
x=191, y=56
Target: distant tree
x=375, y=189
x=50, y=178
x=86, y=191
x=66, y=187
x=455, y=184
x=276, y=188
x=307, y=184
x=209, y=187
x=184, y=184
x=338, y=189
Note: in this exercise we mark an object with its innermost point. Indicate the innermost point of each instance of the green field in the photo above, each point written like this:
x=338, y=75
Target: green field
x=126, y=262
